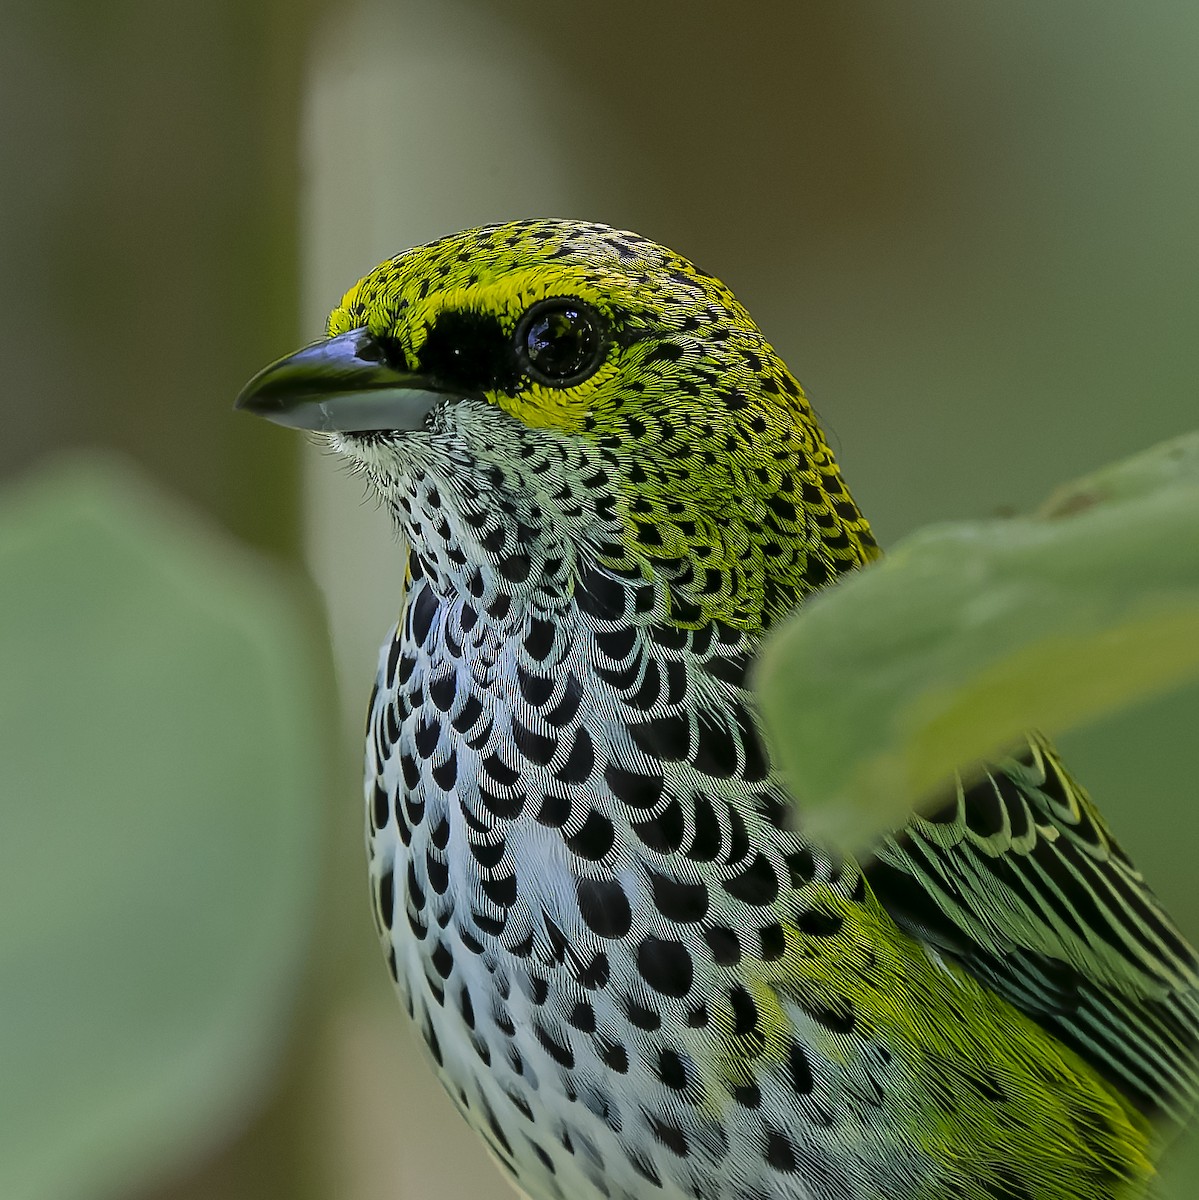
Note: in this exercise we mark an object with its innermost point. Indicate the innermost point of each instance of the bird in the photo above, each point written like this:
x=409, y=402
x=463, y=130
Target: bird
x=633, y=973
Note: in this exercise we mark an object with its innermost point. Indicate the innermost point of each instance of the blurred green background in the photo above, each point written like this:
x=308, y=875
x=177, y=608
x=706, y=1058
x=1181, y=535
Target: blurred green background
x=969, y=228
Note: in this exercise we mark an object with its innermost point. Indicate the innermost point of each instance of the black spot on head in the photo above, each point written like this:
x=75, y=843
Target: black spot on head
x=470, y=351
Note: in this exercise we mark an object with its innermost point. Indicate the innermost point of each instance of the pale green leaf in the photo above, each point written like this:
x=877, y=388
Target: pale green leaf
x=969, y=634
x=163, y=751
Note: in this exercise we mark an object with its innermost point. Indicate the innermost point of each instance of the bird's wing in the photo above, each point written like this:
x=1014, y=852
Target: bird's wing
x=1018, y=878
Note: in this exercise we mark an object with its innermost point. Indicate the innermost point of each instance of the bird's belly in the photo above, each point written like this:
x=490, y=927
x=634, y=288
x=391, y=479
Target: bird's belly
x=634, y=979
x=607, y=1108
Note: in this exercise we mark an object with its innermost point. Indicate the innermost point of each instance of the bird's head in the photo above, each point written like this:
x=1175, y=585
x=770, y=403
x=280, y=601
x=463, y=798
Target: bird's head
x=591, y=392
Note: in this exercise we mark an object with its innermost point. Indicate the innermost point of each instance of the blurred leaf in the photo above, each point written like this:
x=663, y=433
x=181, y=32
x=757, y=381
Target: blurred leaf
x=968, y=634
x=163, y=757
x=1180, y=1170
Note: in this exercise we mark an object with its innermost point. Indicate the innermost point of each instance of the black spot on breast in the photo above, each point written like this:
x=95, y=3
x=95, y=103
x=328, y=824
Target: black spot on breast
x=815, y=923
x=666, y=738
x=801, y=865
x=536, y=689
x=664, y=832
x=501, y=892
x=443, y=960
x=635, y=790
x=617, y=644
x=774, y=942
x=616, y=1057
x=438, y=873
x=604, y=907
x=466, y=1007
x=506, y=808
x=672, y=1070
x=580, y=761
x=381, y=806
x=842, y=1021
x=598, y=594
x=799, y=1070
x=665, y=965
x=430, y=1037
x=539, y=641
x=745, y=1012
x=643, y=1166
x=724, y=945
x=706, y=844
x=594, y=839
x=542, y=1156
x=515, y=568
x=559, y=1051
x=428, y=734
x=498, y=771
x=595, y=974
x=420, y=614
x=649, y=689
x=537, y=748
x=716, y=750
x=780, y=1153
x=642, y=1017
x=446, y=774
x=757, y=884
x=468, y=715
x=442, y=692
x=738, y=835
x=565, y=710
x=669, y=1135
x=554, y=811
x=387, y=897
x=488, y=854
x=678, y=901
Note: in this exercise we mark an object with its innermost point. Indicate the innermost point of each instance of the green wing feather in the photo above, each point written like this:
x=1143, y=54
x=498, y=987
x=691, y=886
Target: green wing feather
x=1017, y=877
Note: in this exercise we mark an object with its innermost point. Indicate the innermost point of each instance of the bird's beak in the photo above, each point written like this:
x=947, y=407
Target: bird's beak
x=342, y=384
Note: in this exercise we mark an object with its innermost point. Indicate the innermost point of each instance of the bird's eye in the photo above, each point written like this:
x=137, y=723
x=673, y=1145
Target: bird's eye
x=560, y=342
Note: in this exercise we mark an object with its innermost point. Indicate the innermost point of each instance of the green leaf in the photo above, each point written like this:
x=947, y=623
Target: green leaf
x=945, y=651
x=164, y=754
x=1180, y=1170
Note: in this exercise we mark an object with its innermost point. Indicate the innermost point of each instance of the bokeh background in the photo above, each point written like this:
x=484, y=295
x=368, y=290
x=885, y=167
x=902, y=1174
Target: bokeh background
x=969, y=227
